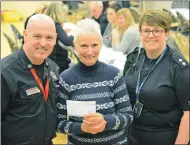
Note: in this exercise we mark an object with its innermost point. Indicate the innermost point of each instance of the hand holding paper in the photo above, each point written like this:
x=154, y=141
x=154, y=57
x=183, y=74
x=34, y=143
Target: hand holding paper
x=93, y=119
x=95, y=128
x=93, y=123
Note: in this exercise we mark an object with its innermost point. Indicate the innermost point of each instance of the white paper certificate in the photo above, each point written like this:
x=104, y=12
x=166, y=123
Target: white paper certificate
x=80, y=108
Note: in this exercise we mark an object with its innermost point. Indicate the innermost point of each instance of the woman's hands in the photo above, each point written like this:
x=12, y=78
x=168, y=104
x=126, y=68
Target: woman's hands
x=93, y=123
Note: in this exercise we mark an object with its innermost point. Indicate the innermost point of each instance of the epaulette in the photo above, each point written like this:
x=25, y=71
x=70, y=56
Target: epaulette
x=134, y=51
x=180, y=60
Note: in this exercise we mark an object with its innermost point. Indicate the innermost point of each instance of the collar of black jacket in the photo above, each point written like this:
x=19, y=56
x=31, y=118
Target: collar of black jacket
x=25, y=62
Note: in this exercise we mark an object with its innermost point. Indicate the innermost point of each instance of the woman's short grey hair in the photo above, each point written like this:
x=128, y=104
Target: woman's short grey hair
x=87, y=26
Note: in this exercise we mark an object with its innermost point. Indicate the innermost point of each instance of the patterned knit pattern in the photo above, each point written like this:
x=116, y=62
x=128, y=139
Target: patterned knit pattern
x=101, y=83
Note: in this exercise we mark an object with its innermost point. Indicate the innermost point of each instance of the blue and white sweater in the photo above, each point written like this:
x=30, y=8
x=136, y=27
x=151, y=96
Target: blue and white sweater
x=101, y=83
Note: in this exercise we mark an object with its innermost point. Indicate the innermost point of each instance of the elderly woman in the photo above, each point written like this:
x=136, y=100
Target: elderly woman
x=157, y=78
x=92, y=80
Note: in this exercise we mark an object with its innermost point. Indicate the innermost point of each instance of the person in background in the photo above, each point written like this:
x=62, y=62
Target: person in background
x=125, y=37
x=92, y=80
x=98, y=13
x=124, y=4
x=28, y=87
x=59, y=55
x=157, y=78
x=112, y=19
x=72, y=5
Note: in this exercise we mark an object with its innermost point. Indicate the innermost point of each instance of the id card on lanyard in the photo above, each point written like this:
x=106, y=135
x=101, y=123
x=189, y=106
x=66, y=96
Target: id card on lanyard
x=139, y=106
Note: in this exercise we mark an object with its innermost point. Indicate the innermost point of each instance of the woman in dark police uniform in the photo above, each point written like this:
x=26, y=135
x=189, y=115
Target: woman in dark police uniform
x=157, y=78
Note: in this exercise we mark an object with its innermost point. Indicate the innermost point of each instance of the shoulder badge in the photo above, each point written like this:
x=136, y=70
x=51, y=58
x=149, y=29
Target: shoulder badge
x=52, y=74
x=135, y=50
x=180, y=60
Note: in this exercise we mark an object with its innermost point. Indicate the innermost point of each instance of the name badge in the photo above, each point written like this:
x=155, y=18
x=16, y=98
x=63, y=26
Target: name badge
x=32, y=91
x=137, y=109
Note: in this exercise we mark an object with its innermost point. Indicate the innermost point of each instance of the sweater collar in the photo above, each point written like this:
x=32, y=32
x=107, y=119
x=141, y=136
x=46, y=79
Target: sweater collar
x=88, y=71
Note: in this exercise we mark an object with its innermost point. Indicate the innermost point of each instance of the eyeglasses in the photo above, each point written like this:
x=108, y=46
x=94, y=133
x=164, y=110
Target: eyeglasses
x=155, y=32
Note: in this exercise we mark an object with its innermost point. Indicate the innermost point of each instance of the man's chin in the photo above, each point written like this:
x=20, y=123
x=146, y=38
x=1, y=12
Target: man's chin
x=41, y=57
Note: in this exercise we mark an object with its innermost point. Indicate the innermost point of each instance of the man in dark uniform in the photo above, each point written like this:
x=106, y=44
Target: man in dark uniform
x=29, y=85
x=98, y=13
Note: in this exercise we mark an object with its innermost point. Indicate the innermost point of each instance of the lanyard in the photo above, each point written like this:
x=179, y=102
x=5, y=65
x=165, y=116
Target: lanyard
x=139, y=86
x=44, y=91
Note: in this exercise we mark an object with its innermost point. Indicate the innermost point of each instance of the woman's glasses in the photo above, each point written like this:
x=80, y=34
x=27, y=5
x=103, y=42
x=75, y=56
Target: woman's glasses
x=155, y=32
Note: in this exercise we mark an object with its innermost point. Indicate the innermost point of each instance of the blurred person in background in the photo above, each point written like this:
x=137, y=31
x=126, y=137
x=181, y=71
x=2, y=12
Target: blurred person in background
x=157, y=78
x=92, y=80
x=59, y=55
x=112, y=19
x=125, y=37
x=98, y=13
x=122, y=4
x=72, y=5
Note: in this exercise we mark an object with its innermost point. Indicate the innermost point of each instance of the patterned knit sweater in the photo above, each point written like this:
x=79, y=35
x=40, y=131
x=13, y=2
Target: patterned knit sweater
x=101, y=83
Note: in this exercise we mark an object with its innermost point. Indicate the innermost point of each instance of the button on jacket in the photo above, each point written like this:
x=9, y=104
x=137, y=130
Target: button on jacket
x=26, y=118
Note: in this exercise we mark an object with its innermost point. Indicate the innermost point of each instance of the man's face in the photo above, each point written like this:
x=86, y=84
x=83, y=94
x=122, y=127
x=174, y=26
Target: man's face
x=39, y=41
x=88, y=47
x=96, y=11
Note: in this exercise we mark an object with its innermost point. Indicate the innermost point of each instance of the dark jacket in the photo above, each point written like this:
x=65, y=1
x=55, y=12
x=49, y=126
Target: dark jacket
x=26, y=118
x=59, y=55
x=169, y=79
x=102, y=21
x=164, y=95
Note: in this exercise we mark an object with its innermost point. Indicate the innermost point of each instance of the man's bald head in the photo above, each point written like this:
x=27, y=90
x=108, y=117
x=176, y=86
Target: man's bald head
x=40, y=19
x=39, y=38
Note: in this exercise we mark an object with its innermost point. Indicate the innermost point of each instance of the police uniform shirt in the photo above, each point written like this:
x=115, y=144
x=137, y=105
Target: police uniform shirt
x=166, y=90
x=26, y=116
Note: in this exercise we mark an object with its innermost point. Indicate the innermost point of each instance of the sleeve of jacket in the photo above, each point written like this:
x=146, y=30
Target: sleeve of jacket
x=63, y=37
x=123, y=116
x=5, y=94
x=131, y=59
x=63, y=125
x=103, y=22
x=181, y=76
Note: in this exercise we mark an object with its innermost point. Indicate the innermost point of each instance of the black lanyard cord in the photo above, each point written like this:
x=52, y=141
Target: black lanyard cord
x=171, y=124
